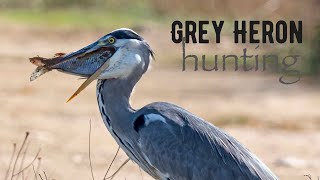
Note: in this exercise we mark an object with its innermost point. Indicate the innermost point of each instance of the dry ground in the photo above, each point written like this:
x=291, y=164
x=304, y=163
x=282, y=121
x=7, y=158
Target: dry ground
x=280, y=124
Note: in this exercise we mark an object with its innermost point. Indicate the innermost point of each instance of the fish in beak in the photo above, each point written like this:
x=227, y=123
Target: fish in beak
x=89, y=62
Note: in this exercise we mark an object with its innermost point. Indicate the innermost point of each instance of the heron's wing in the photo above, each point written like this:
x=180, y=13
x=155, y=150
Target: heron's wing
x=181, y=145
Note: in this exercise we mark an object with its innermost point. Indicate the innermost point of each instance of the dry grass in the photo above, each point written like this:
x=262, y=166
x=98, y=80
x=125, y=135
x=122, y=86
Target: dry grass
x=17, y=168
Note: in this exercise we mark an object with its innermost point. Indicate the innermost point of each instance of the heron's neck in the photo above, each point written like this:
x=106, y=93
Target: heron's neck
x=113, y=98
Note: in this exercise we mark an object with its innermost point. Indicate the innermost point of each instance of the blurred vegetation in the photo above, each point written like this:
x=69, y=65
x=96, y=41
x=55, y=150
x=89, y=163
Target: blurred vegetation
x=71, y=18
x=207, y=8
x=56, y=12
x=313, y=63
x=81, y=13
x=98, y=5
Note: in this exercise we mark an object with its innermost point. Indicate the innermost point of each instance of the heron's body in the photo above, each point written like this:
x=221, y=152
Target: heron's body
x=170, y=143
x=166, y=141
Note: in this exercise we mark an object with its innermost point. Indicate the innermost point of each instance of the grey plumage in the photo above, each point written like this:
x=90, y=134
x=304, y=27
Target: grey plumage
x=195, y=149
x=166, y=141
x=184, y=148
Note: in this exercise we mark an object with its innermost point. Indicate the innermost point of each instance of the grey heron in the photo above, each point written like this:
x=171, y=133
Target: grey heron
x=166, y=141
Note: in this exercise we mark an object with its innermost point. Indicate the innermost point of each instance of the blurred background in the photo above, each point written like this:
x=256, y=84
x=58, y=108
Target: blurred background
x=279, y=123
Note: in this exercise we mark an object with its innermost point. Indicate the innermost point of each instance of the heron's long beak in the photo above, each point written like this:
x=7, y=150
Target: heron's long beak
x=82, y=62
x=89, y=80
x=94, y=75
x=91, y=48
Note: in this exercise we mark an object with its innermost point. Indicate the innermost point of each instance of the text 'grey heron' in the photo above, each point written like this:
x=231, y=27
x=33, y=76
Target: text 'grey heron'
x=166, y=141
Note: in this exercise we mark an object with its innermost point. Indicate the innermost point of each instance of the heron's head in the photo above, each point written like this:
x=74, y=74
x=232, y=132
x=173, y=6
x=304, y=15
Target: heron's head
x=118, y=54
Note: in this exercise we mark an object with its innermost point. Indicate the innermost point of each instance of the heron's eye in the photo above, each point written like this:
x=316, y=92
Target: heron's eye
x=111, y=40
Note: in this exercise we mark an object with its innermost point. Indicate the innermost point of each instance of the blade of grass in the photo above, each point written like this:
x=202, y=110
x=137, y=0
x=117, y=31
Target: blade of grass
x=111, y=163
x=115, y=173
x=30, y=164
x=92, y=175
x=22, y=160
x=11, y=160
x=18, y=155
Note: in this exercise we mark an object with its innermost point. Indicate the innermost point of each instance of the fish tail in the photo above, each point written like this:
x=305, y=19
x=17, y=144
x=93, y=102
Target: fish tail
x=38, y=72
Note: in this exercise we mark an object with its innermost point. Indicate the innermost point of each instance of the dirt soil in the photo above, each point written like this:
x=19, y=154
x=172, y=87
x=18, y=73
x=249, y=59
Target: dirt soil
x=278, y=123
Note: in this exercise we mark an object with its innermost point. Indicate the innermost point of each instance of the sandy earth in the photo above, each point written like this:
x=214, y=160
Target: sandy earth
x=279, y=123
